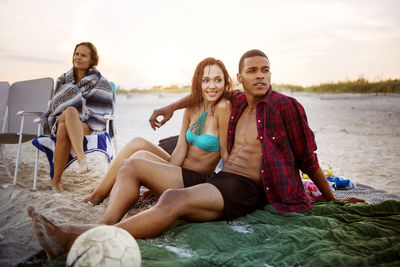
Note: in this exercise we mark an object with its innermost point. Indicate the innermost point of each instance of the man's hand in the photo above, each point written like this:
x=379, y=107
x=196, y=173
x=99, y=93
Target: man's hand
x=350, y=199
x=166, y=112
x=320, y=181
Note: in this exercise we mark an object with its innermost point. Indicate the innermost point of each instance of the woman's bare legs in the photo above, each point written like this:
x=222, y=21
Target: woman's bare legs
x=76, y=130
x=61, y=154
x=64, y=142
x=200, y=203
x=133, y=173
x=134, y=145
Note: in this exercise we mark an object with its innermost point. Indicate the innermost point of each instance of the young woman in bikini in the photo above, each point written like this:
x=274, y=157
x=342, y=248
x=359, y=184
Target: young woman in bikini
x=202, y=139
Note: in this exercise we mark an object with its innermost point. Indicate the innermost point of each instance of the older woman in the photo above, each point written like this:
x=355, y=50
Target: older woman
x=81, y=99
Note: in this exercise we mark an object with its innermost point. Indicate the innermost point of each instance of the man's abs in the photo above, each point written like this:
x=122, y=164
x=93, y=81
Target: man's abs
x=244, y=161
x=245, y=157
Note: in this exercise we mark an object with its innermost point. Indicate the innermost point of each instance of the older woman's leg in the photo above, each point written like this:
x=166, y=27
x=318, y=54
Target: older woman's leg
x=61, y=154
x=134, y=145
x=70, y=131
x=76, y=130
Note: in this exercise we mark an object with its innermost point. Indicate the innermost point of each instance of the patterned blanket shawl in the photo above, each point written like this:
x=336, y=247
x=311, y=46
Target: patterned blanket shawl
x=92, y=96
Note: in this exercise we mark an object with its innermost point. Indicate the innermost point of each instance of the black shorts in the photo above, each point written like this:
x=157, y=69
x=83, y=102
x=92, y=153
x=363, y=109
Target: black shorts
x=241, y=195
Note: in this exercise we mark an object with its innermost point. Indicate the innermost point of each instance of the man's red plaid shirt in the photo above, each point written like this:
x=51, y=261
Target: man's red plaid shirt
x=288, y=144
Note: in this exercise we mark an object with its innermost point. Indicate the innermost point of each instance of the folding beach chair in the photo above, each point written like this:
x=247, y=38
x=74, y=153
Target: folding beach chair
x=25, y=99
x=4, y=89
x=100, y=142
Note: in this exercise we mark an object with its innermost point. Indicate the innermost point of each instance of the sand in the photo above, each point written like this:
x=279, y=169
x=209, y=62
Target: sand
x=357, y=135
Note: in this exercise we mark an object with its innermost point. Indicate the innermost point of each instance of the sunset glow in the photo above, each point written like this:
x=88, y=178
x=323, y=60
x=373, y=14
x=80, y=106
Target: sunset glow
x=146, y=43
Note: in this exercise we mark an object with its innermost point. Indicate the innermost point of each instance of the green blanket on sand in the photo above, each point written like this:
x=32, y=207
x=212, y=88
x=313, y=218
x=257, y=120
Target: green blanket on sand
x=330, y=234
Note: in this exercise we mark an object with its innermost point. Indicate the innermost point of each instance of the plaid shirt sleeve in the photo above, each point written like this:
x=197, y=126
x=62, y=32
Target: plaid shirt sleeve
x=301, y=137
x=288, y=145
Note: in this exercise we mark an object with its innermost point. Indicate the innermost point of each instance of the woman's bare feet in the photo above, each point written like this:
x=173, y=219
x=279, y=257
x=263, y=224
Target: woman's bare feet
x=51, y=237
x=94, y=199
x=83, y=166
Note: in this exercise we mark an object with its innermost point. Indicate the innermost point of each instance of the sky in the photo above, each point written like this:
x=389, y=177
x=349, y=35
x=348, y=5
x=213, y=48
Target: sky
x=142, y=44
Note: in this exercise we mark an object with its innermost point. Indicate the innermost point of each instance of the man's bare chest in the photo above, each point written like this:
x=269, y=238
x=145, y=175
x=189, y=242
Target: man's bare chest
x=246, y=130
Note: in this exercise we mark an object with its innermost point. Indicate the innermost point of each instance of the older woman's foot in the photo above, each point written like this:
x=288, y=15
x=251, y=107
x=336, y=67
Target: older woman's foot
x=57, y=186
x=83, y=166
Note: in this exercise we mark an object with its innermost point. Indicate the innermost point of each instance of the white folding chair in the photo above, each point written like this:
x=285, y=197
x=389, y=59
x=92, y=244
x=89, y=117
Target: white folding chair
x=4, y=89
x=25, y=99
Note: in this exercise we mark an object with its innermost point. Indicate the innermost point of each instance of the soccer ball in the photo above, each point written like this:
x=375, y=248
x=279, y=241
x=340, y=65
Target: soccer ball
x=104, y=246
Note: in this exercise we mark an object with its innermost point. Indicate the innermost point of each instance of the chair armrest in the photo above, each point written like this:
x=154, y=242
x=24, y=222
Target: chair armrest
x=29, y=113
x=110, y=117
x=38, y=120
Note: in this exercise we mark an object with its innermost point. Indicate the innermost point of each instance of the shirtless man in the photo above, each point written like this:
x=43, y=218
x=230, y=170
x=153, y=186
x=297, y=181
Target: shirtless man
x=268, y=141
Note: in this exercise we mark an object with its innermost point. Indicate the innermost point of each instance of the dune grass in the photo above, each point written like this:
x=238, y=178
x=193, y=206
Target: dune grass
x=359, y=86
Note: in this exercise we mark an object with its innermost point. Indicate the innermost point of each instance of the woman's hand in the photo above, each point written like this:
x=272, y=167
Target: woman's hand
x=166, y=112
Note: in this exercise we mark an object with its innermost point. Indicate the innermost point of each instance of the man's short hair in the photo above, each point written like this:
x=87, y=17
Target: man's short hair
x=251, y=53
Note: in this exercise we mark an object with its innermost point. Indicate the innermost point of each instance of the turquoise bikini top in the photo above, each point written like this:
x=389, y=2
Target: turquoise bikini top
x=195, y=135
